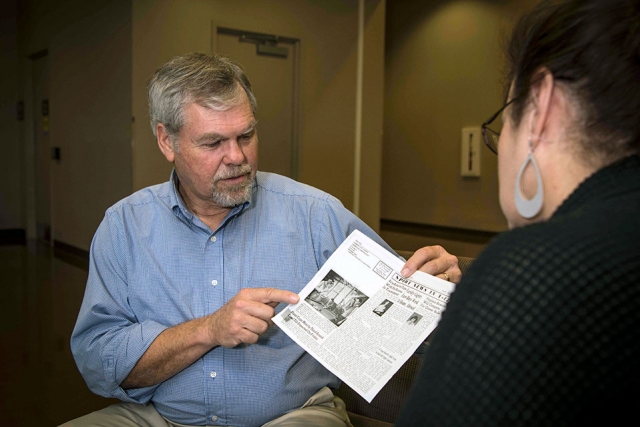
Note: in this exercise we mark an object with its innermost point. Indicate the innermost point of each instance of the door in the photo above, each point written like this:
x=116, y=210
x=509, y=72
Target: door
x=271, y=63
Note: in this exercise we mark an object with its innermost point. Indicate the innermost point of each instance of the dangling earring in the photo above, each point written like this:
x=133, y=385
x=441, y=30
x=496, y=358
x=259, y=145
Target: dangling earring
x=529, y=208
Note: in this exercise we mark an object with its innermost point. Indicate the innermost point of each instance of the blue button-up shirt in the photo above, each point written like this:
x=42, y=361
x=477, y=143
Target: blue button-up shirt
x=154, y=264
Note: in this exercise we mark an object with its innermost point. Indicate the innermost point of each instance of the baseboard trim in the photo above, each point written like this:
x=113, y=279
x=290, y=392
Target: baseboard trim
x=438, y=231
x=71, y=254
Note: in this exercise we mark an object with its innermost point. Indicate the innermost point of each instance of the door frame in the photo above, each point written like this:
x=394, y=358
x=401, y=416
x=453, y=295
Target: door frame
x=32, y=113
x=295, y=113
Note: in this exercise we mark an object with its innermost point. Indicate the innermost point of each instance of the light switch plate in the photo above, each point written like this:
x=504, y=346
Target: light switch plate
x=470, y=151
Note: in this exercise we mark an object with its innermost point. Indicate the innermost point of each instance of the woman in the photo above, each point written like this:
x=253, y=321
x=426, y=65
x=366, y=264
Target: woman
x=545, y=327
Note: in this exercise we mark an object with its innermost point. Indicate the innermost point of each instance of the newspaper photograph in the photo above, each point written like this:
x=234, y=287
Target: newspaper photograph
x=360, y=318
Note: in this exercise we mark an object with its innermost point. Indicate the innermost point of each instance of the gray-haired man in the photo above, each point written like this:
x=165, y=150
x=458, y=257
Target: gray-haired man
x=185, y=276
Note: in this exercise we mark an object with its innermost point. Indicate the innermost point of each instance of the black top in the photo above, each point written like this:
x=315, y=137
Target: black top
x=544, y=328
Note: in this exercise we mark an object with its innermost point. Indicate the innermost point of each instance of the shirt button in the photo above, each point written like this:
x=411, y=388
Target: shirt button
x=213, y=239
x=213, y=374
x=214, y=282
x=214, y=418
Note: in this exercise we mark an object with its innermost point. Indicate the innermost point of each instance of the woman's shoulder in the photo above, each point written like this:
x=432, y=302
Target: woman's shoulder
x=575, y=251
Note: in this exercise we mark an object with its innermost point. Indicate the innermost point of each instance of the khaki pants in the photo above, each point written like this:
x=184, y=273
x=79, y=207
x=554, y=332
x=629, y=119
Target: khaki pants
x=322, y=409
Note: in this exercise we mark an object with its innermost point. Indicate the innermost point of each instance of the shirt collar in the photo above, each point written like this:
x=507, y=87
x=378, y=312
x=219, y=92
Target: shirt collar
x=180, y=208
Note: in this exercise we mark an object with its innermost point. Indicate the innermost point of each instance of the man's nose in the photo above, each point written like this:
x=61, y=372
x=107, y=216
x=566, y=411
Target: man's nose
x=234, y=154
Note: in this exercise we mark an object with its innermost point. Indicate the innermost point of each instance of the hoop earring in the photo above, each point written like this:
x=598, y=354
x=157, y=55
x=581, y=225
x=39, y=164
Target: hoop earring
x=529, y=208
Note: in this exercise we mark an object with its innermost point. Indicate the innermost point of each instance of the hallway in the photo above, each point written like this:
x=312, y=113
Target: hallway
x=42, y=291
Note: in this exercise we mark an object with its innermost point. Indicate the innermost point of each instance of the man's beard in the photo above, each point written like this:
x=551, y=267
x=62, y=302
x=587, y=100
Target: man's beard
x=234, y=195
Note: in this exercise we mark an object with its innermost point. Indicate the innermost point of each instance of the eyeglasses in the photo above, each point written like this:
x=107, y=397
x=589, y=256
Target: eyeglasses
x=491, y=136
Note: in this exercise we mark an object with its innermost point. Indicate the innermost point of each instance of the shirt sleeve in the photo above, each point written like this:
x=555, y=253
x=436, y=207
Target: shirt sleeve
x=108, y=340
x=336, y=223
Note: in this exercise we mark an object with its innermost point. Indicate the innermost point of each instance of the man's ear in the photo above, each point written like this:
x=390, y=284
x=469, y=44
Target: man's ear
x=164, y=142
x=542, y=95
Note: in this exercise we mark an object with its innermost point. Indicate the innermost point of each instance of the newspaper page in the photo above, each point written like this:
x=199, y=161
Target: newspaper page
x=361, y=318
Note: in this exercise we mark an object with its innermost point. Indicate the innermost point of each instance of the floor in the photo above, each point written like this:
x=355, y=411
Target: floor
x=41, y=294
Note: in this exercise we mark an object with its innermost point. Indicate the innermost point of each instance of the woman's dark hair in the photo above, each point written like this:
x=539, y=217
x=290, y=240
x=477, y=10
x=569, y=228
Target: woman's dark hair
x=592, y=48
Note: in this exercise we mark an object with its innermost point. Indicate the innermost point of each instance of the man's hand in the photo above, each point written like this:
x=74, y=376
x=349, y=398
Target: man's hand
x=246, y=316
x=241, y=320
x=436, y=261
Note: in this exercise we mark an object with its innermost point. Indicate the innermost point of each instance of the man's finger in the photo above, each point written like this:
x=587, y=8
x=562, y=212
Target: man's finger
x=434, y=260
x=421, y=260
x=269, y=295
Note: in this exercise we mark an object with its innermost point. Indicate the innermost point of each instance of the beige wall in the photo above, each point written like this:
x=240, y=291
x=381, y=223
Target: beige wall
x=328, y=32
x=89, y=54
x=90, y=90
x=443, y=67
x=102, y=53
x=440, y=73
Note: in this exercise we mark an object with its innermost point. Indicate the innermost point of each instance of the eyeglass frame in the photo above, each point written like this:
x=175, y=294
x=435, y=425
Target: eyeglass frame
x=488, y=132
x=496, y=135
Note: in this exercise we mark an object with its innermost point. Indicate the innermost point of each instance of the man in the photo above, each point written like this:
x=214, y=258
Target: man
x=185, y=276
